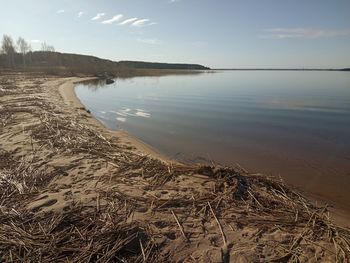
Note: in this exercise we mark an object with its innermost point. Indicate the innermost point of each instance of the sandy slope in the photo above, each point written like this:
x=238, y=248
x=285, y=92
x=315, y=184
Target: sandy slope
x=74, y=190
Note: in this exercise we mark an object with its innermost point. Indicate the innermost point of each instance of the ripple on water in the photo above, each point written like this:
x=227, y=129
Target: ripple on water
x=121, y=119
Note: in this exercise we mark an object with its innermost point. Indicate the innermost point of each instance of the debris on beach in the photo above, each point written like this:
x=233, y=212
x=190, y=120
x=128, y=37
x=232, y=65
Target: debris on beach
x=73, y=192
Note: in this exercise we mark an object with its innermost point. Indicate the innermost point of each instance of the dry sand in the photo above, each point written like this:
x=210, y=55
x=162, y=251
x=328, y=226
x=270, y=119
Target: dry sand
x=74, y=191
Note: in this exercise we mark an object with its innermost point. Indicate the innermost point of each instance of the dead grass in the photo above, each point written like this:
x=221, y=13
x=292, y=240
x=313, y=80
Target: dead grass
x=103, y=232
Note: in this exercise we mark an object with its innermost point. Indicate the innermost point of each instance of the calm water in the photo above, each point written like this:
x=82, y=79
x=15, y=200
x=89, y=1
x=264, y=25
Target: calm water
x=286, y=123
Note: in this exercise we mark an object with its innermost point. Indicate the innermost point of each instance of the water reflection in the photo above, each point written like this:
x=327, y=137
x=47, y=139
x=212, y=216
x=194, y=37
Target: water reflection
x=95, y=84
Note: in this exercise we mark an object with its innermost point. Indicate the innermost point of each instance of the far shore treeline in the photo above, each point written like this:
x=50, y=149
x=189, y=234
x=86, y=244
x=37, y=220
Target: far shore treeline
x=19, y=56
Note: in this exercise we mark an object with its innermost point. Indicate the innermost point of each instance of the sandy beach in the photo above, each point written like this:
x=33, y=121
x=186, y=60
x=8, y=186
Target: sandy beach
x=76, y=190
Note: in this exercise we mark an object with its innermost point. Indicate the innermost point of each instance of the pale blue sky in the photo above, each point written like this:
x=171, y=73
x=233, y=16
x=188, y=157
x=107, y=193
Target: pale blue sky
x=222, y=33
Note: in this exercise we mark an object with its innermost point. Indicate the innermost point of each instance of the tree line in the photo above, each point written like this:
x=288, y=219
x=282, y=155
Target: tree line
x=19, y=55
x=10, y=48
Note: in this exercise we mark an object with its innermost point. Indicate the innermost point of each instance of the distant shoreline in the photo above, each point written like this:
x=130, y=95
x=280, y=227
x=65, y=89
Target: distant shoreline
x=279, y=69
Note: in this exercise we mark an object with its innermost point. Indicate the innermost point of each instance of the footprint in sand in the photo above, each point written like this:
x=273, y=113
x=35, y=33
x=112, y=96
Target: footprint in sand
x=45, y=204
x=171, y=235
x=161, y=224
x=41, y=198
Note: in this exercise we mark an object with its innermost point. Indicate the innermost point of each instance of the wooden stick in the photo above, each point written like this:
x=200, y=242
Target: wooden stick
x=180, y=226
x=143, y=252
x=219, y=224
x=224, y=249
x=98, y=203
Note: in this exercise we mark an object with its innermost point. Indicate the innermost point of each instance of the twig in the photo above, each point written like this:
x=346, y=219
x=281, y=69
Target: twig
x=98, y=203
x=219, y=225
x=143, y=252
x=224, y=250
x=180, y=226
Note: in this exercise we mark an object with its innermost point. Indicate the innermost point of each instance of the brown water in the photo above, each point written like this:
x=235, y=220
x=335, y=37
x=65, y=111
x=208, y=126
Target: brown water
x=286, y=123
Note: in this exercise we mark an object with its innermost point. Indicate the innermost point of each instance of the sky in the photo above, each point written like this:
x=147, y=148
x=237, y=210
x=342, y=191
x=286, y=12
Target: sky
x=218, y=34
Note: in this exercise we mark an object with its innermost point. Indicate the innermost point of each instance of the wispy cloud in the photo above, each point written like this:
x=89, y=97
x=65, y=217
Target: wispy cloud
x=114, y=19
x=60, y=11
x=142, y=22
x=34, y=41
x=80, y=14
x=150, y=41
x=98, y=16
x=128, y=21
x=302, y=33
x=133, y=21
x=174, y=1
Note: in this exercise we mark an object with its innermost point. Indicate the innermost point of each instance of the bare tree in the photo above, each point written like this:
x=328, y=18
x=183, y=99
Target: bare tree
x=9, y=49
x=30, y=52
x=47, y=48
x=23, y=47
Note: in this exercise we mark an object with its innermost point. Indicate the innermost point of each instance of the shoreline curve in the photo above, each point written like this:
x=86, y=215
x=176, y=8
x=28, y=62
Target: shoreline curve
x=67, y=92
